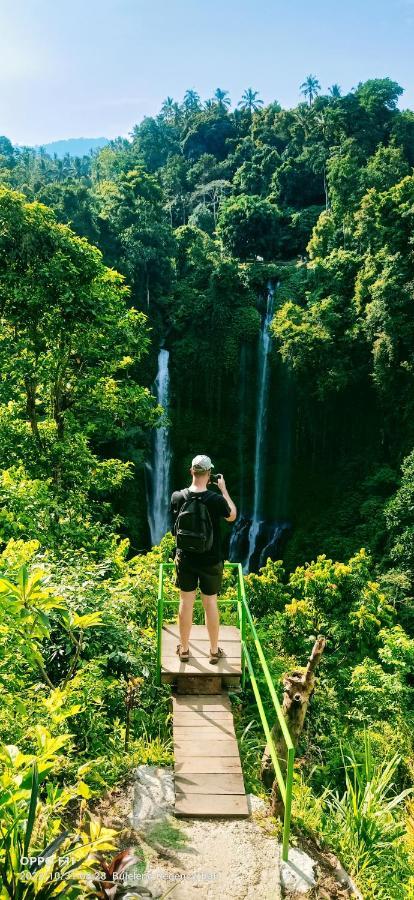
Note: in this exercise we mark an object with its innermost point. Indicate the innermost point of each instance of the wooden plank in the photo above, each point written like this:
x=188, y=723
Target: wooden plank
x=195, y=666
x=201, y=643
x=200, y=702
x=204, y=732
x=202, y=654
x=213, y=805
x=194, y=722
x=208, y=764
x=200, y=647
x=226, y=632
x=204, y=717
x=199, y=715
x=213, y=783
x=221, y=718
x=185, y=749
x=192, y=709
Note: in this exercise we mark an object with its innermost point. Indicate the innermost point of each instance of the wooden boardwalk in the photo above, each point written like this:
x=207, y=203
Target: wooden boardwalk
x=208, y=773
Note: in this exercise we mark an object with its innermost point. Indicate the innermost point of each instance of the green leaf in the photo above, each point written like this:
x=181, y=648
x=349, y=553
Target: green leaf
x=83, y=790
x=32, y=809
x=89, y=620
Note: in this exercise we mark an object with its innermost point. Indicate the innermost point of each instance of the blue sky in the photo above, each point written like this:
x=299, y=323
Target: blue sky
x=95, y=67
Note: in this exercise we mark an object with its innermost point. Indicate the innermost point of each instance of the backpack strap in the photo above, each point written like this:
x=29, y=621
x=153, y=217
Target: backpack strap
x=185, y=493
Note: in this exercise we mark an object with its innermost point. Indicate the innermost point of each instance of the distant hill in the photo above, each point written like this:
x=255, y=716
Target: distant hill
x=74, y=146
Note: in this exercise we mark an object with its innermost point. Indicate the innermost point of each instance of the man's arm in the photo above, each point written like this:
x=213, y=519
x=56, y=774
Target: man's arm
x=221, y=484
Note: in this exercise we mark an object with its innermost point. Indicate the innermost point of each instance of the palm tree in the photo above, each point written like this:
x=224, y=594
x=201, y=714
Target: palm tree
x=250, y=101
x=301, y=118
x=335, y=91
x=168, y=108
x=191, y=102
x=310, y=88
x=222, y=99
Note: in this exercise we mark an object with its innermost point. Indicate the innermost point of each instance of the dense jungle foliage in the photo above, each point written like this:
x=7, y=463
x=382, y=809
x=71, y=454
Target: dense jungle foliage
x=171, y=238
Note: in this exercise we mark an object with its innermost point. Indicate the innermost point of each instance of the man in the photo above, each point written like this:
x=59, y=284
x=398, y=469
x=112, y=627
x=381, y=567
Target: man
x=201, y=568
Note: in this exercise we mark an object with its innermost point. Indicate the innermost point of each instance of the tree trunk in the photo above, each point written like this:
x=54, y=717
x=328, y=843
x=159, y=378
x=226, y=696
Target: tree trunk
x=58, y=414
x=31, y=408
x=298, y=687
x=325, y=187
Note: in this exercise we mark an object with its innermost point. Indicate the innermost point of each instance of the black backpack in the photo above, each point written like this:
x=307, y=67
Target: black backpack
x=193, y=527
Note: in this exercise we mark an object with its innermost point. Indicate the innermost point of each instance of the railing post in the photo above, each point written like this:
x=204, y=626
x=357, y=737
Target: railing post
x=288, y=803
x=160, y=612
x=242, y=622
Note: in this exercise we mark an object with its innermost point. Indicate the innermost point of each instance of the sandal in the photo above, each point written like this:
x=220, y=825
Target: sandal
x=214, y=657
x=183, y=654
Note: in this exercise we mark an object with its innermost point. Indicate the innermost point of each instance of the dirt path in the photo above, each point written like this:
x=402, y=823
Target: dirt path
x=222, y=860
x=210, y=858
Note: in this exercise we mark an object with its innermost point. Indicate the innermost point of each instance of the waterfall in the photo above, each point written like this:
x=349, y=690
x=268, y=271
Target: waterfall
x=159, y=470
x=239, y=541
x=271, y=549
x=261, y=421
x=256, y=536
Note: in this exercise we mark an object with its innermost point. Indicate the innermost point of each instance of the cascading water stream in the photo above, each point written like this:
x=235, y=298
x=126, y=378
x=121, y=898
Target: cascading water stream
x=271, y=549
x=159, y=470
x=261, y=422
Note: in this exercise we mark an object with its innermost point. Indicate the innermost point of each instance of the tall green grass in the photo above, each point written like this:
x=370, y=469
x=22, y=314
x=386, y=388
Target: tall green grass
x=367, y=826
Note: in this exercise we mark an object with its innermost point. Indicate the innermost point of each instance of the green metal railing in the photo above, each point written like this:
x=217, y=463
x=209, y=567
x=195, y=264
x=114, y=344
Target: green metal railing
x=245, y=619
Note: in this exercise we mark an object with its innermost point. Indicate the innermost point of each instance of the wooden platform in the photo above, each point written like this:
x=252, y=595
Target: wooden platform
x=207, y=768
x=228, y=668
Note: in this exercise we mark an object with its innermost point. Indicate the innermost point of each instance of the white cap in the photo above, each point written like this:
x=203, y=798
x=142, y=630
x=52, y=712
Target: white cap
x=203, y=463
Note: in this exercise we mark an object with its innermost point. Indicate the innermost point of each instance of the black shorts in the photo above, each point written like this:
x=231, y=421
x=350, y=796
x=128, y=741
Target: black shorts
x=189, y=574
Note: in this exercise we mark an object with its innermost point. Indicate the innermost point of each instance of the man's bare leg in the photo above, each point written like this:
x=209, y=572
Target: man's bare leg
x=185, y=616
x=212, y=619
